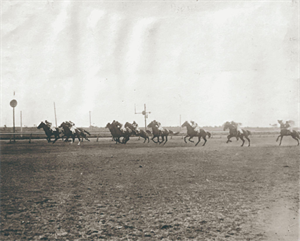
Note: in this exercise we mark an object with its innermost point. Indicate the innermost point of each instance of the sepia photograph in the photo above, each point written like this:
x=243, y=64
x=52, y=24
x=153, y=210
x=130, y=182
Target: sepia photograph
x=150, y=120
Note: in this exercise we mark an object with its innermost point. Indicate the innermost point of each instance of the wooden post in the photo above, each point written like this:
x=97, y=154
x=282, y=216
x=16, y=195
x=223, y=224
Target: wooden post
x=30, y=138
x=97, y=137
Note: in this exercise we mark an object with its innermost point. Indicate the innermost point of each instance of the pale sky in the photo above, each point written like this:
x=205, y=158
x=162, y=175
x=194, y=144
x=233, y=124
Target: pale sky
x=207, y=61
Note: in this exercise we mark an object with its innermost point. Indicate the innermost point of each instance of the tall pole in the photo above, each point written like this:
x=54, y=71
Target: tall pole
x=13, y=104
x=21, y=122
x=145, y=113
x=180, y=120
x=90, y=118
x=55, y=115
x=145, y=117
x=14, y=124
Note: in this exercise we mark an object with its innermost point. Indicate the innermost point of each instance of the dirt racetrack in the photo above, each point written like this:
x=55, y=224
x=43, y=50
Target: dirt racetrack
x=137, y=191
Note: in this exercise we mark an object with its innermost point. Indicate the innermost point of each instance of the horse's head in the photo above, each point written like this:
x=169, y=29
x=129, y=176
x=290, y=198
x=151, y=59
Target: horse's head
x=41, y=125
x=226, y=125
x=63, y=125
x=118, y=124
x=281, y=123
x=128, y=125
x=185, y=124
x=151, y=124
x=108, y=125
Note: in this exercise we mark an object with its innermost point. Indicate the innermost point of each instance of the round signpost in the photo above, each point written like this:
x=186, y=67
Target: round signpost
x=13, y=104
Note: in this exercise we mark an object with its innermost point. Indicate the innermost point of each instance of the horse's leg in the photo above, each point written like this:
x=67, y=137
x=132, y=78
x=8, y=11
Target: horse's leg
x=56, y=138
x=166, y=140
x=278, y=137
x=152, y=139
x=127, y=139
x=248, y=140
x=163, y=139
x=280, y=140
x=190, y=139
x=228, y=138
x=294, y=137
x=185, y=138
x=204, y=140
x=242, y=140
x=78, y=137
x=199, y=139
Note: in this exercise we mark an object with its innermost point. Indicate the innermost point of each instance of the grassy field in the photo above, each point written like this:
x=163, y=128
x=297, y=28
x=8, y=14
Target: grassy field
x=137, y=191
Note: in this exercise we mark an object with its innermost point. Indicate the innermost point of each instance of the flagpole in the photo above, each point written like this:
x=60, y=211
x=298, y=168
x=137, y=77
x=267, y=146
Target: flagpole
x=55, y=115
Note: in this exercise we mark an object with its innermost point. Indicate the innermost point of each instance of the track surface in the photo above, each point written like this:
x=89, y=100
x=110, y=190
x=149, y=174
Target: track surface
x=137, y=191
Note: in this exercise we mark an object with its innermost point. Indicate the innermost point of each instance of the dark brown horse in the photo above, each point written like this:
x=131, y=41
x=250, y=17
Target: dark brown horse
x=191, y=132
x=158, y=131
x=234, y=132
x=70, y=131
x=120, y=131
x=284, y=131
x=56, y=132
x=114, y=135
x=137, y=131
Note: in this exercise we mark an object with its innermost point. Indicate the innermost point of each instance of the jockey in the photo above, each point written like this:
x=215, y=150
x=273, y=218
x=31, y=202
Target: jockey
x=159, y=126
x=121, y=127
x=49, y=124
x=73, y=127
x=238, y=128
x=288, y=126
x=136, y=128
x=194, y=124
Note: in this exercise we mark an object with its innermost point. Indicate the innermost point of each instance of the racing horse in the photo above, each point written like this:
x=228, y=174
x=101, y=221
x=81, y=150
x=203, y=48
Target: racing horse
x=284, y=131
x=120, y=131
x=113, y=132
x=70, y=131
x=137, y=131
x=191, y=132
x=234, y=132
x=158, y=131
x=50, y=131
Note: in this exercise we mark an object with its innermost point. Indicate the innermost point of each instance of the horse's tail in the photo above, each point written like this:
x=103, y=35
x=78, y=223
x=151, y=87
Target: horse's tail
x=87, y=132
x=209, y=134
x=149, y=132
x=174, y=133
x=249, y=132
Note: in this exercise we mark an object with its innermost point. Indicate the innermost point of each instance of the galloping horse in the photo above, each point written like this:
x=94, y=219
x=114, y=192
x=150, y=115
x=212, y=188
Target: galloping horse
x=50, y=132
x=120, y=131
x=114, y=135
x=70, y=131
x=191, y=132
x=158, y=131
x=137, y=131
x=234, y=132
x=286, y=132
